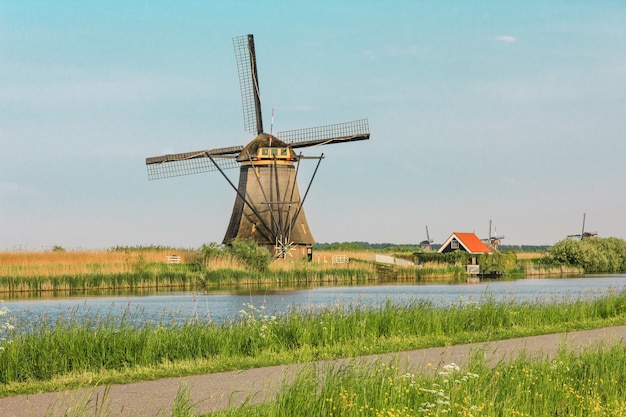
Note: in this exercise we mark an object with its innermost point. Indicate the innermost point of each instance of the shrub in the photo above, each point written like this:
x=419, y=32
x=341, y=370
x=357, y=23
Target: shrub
x=453, y=258
x=497, y=262
x=210, y=252
x=594, y=255
x=255, y=257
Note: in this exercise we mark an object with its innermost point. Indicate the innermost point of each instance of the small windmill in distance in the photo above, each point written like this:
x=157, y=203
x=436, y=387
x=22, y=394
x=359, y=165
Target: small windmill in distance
x=583, y=234
x=425, y=244
x=494, y=239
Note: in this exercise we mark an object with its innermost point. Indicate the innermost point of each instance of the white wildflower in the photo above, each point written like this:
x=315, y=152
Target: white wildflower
x=452, y=367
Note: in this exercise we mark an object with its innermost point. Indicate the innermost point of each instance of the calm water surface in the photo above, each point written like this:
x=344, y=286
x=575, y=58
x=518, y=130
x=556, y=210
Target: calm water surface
x=226, y=305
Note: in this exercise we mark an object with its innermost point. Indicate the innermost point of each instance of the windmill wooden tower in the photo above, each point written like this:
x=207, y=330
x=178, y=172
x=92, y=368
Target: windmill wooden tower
x=268, y=207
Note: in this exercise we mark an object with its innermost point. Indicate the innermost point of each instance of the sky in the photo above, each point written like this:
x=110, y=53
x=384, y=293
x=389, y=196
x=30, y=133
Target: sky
x=501, y=111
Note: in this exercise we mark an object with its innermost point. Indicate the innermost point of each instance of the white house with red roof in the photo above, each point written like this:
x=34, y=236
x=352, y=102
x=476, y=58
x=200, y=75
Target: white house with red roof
x=467, y=242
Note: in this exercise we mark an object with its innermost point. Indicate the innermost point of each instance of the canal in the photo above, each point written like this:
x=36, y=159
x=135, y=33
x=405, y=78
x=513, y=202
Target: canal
x=227, y=304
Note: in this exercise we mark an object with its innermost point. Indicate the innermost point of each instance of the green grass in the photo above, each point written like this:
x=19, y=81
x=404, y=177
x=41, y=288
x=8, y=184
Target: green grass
x=81, y=352
x=178, y=276
x=592, y=383
x=588, y=383
x=165, y=276
x=289, y=276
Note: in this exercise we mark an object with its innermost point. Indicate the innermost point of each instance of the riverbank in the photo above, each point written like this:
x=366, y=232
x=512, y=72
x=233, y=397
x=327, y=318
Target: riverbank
x=69, y=272
x=44, y=355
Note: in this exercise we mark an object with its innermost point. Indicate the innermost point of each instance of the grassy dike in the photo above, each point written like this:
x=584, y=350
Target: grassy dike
x=37, y=357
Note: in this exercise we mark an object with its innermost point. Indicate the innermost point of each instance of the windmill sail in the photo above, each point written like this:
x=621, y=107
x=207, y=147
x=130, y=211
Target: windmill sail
x=188, y=163
x=249, y=83
x=325, y=135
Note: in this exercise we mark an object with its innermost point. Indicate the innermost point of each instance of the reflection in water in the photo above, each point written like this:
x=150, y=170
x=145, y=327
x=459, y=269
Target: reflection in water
x=231, y=289
x=222, y=303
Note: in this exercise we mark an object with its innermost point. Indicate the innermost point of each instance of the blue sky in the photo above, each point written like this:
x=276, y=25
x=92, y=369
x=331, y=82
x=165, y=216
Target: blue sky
x=513, y=112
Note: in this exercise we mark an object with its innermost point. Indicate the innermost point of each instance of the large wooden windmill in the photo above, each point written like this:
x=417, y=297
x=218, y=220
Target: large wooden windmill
x=268, y=206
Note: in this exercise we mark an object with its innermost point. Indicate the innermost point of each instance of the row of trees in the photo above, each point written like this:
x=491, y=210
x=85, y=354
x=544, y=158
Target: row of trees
x=360, y=246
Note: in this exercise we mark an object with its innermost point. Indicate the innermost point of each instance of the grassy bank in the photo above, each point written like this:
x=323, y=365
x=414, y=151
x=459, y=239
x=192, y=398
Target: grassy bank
x=40, y=356
x=71, y=272
x=592, y=383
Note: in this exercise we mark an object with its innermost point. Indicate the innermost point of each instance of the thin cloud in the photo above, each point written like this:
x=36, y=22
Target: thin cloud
x=506, y=39
x=369, y=54
x=409, y=50
x=12, y=188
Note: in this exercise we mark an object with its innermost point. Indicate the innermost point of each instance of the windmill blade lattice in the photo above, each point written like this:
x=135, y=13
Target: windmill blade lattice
x=323, y=135
x=249, y=83
x=189, y=163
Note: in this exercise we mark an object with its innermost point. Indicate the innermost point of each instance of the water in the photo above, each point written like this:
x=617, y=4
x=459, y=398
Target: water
x=220, y=306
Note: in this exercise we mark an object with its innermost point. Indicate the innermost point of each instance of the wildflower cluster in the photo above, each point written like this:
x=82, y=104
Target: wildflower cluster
x=570, y=385
x=387, y=391
x=257, y=317
x=6, y=325
x=585, y=385
x=449, y=393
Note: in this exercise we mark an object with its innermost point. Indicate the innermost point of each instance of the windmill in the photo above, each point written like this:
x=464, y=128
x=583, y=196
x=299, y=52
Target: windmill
x=494, y=239
x=583, y=234
x=268, y=207
x=425, y=244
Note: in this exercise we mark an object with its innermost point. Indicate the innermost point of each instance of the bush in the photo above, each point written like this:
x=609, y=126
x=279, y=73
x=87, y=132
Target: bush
x=497, y=262
x=211, y=251
x=453, y=258
x=594, y=255
x=255, y=257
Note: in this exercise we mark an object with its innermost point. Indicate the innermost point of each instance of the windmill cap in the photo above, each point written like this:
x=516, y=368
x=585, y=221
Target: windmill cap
x=262, y=141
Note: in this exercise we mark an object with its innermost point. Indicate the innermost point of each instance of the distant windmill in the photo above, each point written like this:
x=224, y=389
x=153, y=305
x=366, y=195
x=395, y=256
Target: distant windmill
x=425, y=244
x=494, y=239
x=268, y=208
x=583, y=234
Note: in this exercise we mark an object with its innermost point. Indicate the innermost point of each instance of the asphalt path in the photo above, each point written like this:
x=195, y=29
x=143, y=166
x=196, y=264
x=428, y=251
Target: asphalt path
x=218, y=391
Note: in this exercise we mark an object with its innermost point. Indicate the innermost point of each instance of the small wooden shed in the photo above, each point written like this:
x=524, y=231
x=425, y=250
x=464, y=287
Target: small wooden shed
x=464, y=241
x=469, y=243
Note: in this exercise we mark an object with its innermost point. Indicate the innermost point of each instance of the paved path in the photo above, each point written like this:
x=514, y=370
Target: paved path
x=218, y=391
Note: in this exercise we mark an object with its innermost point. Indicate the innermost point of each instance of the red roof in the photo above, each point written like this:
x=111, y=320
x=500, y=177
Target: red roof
x=470, y=242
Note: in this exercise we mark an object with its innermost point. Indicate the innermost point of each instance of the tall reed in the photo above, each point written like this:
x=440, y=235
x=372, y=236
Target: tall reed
x=58, y=263
x=126, y=268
